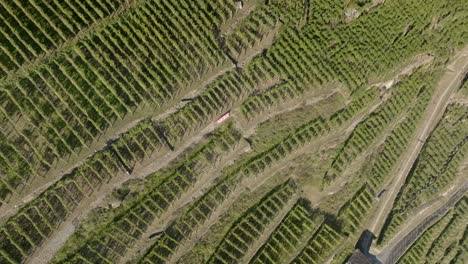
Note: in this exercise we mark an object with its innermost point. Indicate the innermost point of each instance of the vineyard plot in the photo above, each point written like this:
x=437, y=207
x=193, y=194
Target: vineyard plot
x=220, y=131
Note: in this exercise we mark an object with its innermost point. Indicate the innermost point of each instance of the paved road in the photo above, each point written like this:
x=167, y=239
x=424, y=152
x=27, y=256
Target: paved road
x=394, y=252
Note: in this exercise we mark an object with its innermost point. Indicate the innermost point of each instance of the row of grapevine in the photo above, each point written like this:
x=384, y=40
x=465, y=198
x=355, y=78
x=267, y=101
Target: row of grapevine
x=395, y=143
x=293, y=58
x=437, y=166
x=111, y=240
x=373, y=43
x=261, y=22
x=35, y=222
x=359, y=100
x=313, y=66
x=293, y=231
x=149, y=136
x=34, y=28
x=128, y=63
x=86, y=112
x=13, y=164
x=449, y=243
x=319, y=246
x=250, y=31
x=217, y=98
x=262, y=101
x=443, y=242
x=294, y=11
x=366, y=132
x=139, y=142
x=251, y=225
x=147, y=57
x=356, y=208
x=168, y=133
x=181, y=229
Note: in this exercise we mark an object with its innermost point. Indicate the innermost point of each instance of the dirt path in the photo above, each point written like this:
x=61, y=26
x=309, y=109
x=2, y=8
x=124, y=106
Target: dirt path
x=291, y=105
x=419, y=61
x=448, y=84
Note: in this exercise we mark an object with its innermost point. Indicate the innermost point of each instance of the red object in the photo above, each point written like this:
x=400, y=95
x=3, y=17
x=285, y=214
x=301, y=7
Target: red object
x=223, y=118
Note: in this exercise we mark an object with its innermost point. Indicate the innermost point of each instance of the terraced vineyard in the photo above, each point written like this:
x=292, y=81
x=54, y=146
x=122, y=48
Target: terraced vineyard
x=222, y=131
